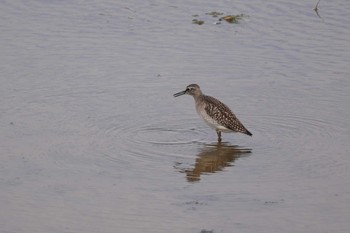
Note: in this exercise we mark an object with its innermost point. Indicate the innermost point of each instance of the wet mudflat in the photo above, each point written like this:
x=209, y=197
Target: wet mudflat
x=92, y=139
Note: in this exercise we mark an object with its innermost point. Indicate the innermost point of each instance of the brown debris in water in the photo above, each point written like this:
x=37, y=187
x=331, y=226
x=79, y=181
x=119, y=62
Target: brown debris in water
x=233, y=19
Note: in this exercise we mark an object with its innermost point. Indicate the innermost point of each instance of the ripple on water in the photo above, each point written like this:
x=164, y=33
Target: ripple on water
x=308, y=143
x=158, y=139
x=293, y=128
x=180, y=141
x=175, y=138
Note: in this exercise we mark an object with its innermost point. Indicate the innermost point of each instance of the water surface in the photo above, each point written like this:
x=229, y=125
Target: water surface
x=92, y=139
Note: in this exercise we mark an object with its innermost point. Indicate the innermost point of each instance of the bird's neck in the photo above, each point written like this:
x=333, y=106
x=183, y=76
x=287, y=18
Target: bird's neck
x=199, y=97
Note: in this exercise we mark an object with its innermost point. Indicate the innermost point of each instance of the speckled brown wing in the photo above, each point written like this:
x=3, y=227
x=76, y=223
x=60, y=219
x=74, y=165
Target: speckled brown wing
x=223, y=115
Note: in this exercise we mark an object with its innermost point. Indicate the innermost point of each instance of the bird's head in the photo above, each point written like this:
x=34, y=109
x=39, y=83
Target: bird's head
x=192, y=89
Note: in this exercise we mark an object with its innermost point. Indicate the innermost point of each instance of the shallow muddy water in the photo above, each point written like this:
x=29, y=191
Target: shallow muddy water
x=92, y=139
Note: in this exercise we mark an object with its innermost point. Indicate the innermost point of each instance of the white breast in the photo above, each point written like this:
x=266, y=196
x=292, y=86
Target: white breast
x=211, y=122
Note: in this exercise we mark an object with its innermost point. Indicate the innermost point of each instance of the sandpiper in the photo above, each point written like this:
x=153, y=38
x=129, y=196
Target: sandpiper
x=215, y=113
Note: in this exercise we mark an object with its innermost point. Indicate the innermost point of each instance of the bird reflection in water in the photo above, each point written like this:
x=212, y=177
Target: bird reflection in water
x=214, y=158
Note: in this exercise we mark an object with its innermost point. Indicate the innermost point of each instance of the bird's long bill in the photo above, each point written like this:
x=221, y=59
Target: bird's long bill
x=180, y=93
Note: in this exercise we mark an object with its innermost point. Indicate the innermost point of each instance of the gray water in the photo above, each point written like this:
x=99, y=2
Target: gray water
x=92, y=139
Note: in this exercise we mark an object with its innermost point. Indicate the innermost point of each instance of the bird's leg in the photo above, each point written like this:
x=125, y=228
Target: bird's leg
x=219, y=135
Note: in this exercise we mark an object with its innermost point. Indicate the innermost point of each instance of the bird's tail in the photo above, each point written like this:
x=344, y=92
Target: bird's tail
x=248, y=133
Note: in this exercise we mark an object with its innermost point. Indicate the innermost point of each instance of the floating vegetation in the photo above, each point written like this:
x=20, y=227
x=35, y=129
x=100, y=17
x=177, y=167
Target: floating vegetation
x=316, y=9
x=222, y=17
x=214, y=14
x=196, y=21
x=207, y=231
x=232, y=18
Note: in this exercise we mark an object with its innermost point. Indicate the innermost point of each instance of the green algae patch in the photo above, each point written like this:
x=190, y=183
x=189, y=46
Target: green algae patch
x=196, y=21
